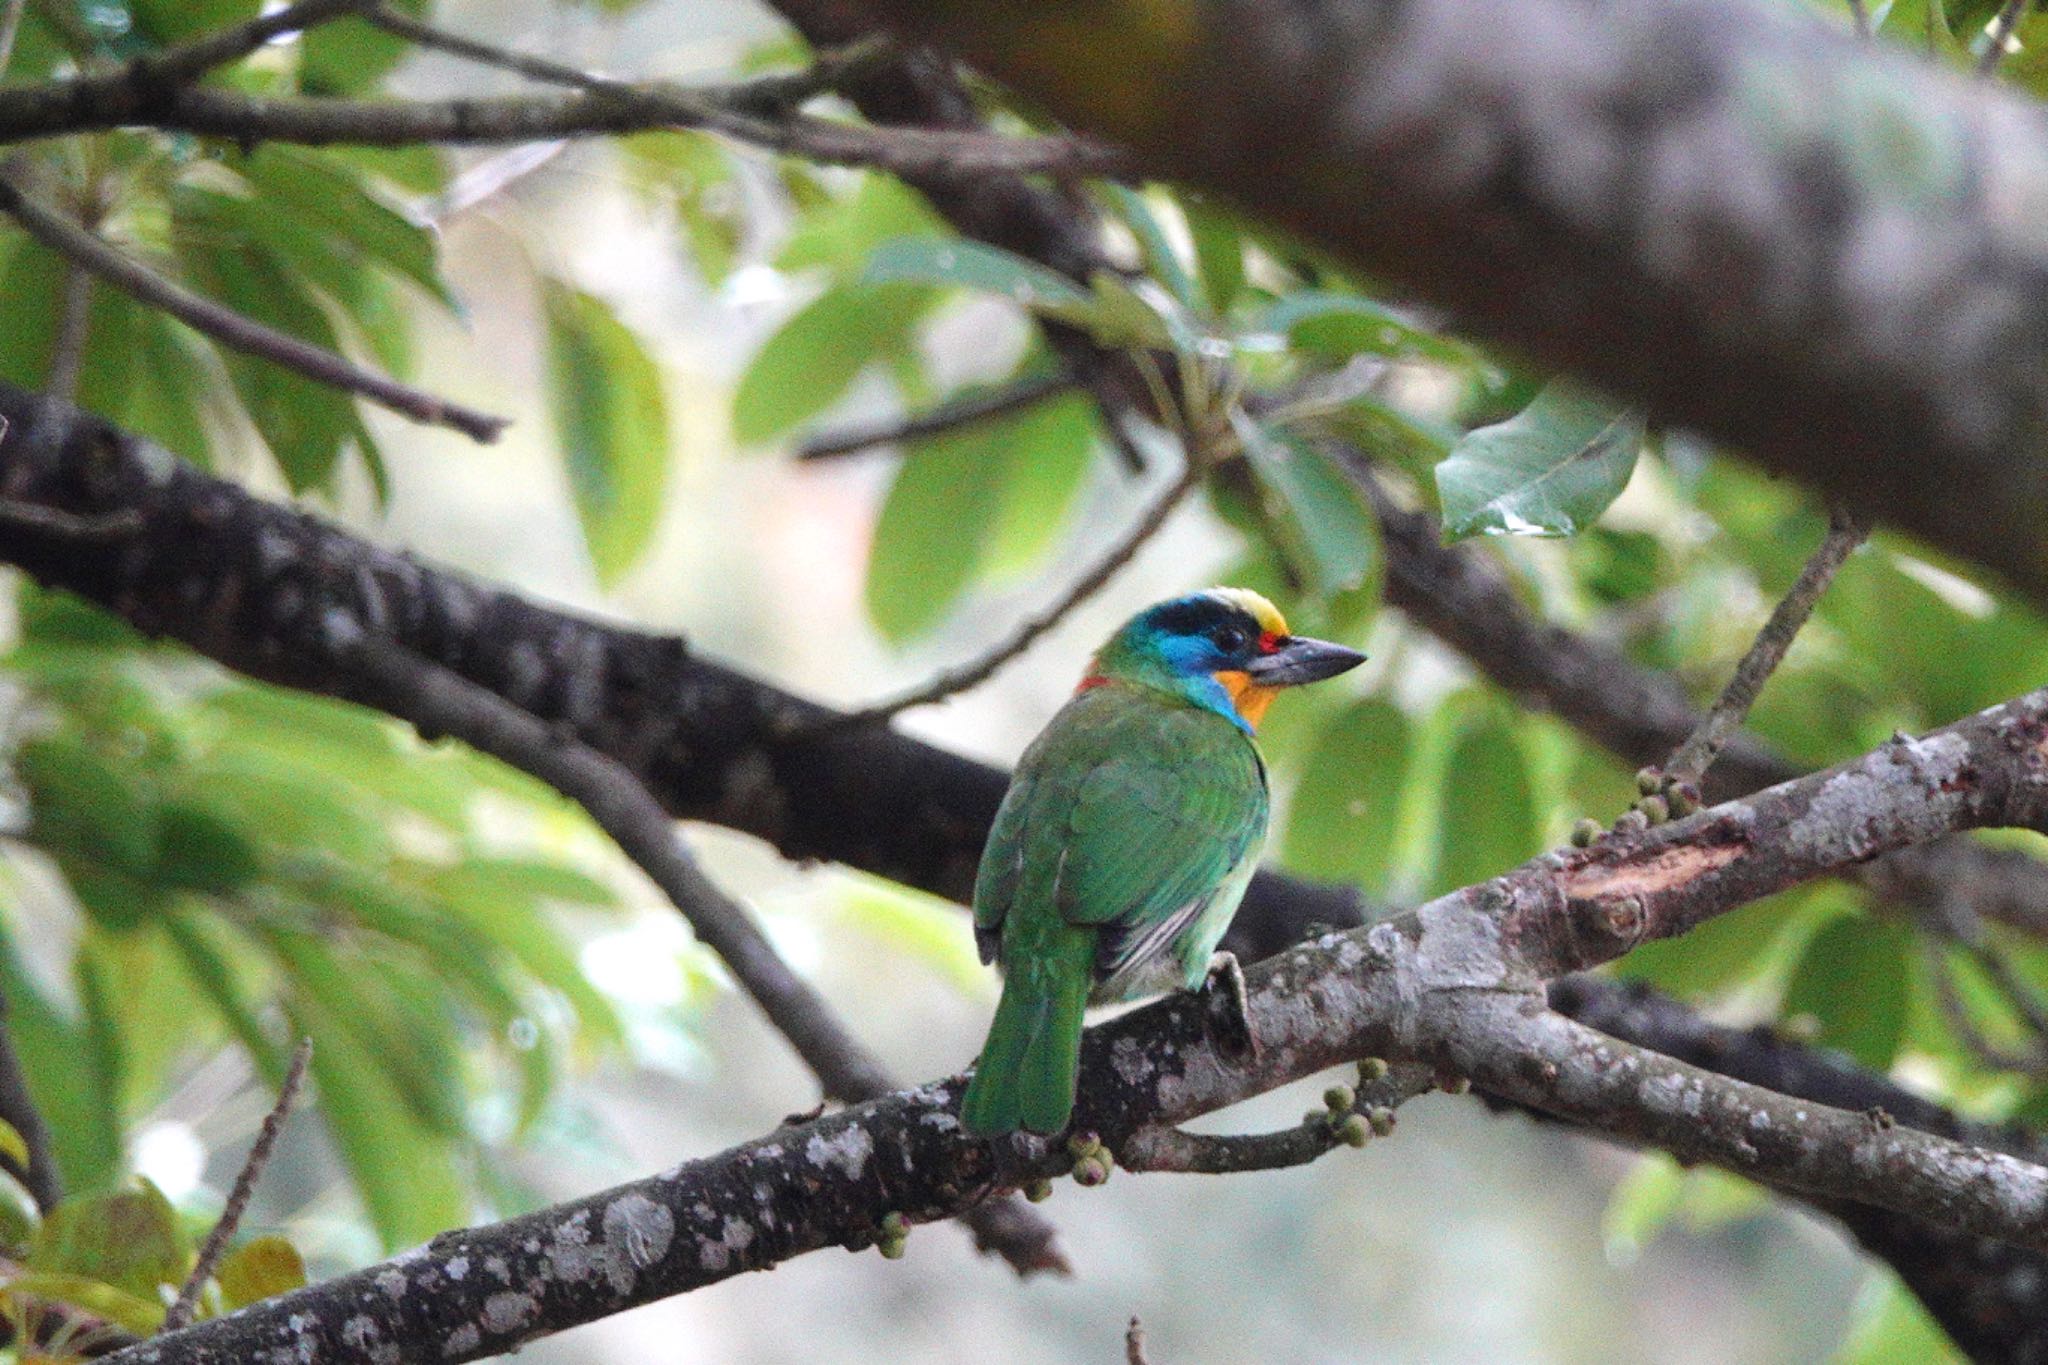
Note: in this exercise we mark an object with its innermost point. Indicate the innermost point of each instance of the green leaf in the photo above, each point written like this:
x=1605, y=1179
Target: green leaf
x=1343, y=817
x=82, y=804
x=130, y=1312
x=1548, y=471
x=200, y=849
x=614, y=426
x=259, y=1269
x=12, y=1145
x=128, y=1238
x=843, y=233
x=1853, y=978
x=1162, y=262
x=812, y=359
x=1735, y=950
x=164, y=22
x=1044, y=452
x=330, y=197
x=194, y=938
x=930, y=538
x=958, y=264
x=305, y=424
x=1489, y=822
x=349, y=56
x=1219, y=250
x=63, y=1075
x=1339, y=326
x=692, y=174
x=1892, y=1327
x=1324, y=526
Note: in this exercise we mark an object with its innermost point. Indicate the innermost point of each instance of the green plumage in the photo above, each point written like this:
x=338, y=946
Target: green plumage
x=1117, y=860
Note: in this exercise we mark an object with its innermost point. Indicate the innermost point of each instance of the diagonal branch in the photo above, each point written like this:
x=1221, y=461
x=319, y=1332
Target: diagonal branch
x=88, y=253
x=1724, y=718
x=979, y=670
x=439, y=702
x=223, y=1230
x=965, y=412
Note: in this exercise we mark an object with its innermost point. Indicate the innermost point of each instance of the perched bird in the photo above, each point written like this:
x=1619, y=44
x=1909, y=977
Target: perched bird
x=1127, y=837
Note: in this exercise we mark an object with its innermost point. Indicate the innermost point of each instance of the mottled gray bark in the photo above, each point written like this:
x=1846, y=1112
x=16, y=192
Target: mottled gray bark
x=1819, y=249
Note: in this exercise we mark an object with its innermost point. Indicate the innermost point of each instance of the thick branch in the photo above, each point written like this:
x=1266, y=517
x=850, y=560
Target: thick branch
x=1645, y=196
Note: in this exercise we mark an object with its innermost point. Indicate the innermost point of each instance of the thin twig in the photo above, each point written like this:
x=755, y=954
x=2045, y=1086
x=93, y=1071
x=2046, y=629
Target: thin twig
x=223, y=324
x=440, y=702
x=946, y=417
x=979, y=670
x=216, y=1244
x=1999, y=36
x=1859, y=14
x=757, y=112
x=1845, y=532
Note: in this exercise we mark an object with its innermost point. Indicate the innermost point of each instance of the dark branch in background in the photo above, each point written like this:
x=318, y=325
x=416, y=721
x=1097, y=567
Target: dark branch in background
x=18, y=1108
x=86, y=252
x=1724, y=718
x=180, y=1312
x=946, y=417
x=1985, y=1293
x=1449, y=985
x=980, y=670
x=439, y=702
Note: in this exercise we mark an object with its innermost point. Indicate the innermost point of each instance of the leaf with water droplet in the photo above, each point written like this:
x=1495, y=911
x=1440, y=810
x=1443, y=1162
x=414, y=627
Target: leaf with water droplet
x=1549, y=470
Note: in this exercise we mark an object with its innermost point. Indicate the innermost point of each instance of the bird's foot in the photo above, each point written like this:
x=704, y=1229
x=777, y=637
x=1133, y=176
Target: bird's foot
x=1226, y=1012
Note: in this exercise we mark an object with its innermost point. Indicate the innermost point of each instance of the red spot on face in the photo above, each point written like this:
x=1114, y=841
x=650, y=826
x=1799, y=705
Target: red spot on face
x=1090, y=683
x=1268, y=642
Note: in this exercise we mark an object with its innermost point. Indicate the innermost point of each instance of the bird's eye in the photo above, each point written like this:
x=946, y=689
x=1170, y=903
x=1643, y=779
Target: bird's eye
x=1228, y=639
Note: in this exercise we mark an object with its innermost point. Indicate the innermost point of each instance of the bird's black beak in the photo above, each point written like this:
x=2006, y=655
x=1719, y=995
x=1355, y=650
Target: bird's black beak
x=1298, y=659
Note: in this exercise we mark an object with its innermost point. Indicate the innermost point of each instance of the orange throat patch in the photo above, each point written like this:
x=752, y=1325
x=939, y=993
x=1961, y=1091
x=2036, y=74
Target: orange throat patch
x=1250, y=699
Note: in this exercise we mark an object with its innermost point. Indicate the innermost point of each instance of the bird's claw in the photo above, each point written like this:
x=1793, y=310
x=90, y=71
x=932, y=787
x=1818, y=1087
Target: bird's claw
x=1226, y=1011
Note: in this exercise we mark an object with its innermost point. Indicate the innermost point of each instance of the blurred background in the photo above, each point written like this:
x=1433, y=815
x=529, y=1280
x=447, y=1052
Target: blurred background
x=612, y=1046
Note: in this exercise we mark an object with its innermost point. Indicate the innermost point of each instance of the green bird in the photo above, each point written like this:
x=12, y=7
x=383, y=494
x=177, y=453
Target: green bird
x=1127, y=837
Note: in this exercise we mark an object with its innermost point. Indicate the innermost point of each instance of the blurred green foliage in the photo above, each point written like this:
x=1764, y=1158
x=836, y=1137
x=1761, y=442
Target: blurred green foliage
x=241, y=866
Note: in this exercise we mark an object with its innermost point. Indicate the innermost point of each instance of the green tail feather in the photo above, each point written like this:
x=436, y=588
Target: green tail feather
x=1026, y=1075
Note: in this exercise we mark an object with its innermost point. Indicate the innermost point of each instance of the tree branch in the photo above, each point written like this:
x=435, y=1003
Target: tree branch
x=1622, y=200
x=1452, y=984
x=279, y=594
x=965, y=412
x=88, y=253
x=1690, y=763
x=223, y=1230
x=439, y=702
x=1459, y=594
x=980, y=670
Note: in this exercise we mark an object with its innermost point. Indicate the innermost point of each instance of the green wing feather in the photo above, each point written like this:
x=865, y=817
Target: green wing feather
x=1123, y=825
